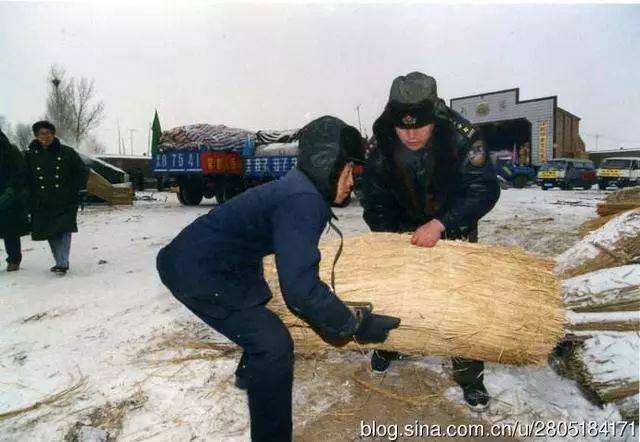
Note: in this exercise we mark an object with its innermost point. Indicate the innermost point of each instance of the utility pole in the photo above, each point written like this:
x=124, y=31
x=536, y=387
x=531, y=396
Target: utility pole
x=119, y=140
x=597, y=137
x=131, y=131
x=149, y=140
x=359, y=123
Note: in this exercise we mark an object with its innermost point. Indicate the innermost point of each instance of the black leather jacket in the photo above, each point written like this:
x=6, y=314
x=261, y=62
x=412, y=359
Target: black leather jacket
x=458, y=193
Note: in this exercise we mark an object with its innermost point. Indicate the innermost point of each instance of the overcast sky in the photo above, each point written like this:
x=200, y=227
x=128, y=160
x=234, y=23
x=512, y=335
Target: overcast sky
x=260, y=66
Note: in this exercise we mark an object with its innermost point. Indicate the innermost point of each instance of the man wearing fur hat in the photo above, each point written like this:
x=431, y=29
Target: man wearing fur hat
x=56, y=174
x=214, y=267
x=428, y=175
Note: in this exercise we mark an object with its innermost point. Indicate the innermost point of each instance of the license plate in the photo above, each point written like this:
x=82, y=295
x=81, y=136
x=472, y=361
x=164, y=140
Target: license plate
x=610, y=172
x=548, y=175
x=177, y=161
x=272, y=167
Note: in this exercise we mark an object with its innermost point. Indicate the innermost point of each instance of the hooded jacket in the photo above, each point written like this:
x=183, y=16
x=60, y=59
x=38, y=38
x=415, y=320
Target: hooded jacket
x=458, y=192
x=217, y=259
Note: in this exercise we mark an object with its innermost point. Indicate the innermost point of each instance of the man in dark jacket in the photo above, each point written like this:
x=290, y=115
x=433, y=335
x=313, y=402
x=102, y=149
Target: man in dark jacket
x=14, y=221
x=428, y=175
x=214, y=267
x=56, y=176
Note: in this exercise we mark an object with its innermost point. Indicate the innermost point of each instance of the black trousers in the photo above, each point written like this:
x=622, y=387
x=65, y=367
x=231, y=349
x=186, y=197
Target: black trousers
x=13, y=249
x=266, y=366
x=468, y=373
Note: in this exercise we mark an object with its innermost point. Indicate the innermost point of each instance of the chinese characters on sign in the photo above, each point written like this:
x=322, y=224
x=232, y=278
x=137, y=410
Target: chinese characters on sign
x=542, y=141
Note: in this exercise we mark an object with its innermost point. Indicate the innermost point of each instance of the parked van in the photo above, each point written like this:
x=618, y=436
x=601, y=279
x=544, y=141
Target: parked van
x=619, y=172
x=567, y=173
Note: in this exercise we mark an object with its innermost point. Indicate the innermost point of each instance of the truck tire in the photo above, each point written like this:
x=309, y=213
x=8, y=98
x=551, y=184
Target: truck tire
x=587, y=185
x=220, y=192
x=190, y=193
x=520, y=181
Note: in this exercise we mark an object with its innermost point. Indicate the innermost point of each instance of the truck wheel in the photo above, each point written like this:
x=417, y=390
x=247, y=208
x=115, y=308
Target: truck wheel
x=520, y=181
x=180, y=198
x=190, y=193
x=220, y=191
x=232, y=189
x=587, y=185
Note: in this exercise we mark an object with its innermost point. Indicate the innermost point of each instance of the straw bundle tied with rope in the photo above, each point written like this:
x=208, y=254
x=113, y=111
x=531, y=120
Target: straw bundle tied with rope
x=456, y=299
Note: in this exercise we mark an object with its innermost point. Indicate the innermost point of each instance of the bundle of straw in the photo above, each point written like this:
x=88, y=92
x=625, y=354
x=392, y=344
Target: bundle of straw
x=620, y=201
x=456, y=299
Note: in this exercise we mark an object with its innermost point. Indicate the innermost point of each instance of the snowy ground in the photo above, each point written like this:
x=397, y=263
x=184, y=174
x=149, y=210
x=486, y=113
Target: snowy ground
x=107, y=346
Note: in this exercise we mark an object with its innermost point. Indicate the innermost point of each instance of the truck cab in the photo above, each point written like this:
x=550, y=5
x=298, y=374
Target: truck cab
x=567, y=173
x=619, y=171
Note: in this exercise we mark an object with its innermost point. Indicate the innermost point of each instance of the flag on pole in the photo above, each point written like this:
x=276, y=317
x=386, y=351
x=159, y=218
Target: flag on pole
x=155, y=133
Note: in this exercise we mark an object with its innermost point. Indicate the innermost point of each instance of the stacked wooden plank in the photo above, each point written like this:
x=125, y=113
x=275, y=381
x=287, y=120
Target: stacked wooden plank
x=449, y=300
x=111, y=193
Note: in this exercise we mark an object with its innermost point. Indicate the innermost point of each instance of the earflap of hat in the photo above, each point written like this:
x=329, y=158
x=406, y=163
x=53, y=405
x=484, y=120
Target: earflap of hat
x=351, y=144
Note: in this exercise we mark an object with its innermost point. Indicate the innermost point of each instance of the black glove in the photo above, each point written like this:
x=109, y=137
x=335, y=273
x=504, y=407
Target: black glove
x=371, y=327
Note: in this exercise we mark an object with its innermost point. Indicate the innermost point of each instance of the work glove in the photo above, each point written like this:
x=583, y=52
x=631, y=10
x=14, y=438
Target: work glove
x=371, y=327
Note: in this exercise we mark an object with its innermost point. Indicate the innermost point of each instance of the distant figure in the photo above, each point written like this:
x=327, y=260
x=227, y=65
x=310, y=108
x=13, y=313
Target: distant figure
x=14, y=221
x=56, y=174
x=525, y=154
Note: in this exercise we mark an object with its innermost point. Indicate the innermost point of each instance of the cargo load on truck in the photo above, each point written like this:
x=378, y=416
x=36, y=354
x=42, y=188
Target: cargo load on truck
x=215, y=137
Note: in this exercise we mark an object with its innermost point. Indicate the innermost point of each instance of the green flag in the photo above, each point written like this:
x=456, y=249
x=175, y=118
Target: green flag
x=155, y=133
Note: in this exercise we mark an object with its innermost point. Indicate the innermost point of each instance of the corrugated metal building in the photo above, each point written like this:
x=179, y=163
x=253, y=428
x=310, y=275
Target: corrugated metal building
x=544, y=129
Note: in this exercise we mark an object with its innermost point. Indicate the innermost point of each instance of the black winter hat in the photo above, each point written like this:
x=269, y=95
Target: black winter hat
x=326, y=145
x=43, y=125
x=412, y=100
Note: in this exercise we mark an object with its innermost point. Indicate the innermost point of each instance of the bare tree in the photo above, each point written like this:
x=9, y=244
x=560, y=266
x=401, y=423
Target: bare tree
x=92, y=145
x=72, y=106
x=22, y=136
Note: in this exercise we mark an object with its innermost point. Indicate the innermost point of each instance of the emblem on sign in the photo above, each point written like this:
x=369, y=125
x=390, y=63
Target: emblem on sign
x=409, y=120
x=482, y=109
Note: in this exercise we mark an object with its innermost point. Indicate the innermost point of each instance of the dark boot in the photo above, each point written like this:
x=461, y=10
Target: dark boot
x=469, y=374
x=381, y=359
x=477, y=397
x=13, y=267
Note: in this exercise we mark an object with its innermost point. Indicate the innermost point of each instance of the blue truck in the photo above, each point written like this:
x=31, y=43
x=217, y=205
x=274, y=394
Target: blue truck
x=221, y=171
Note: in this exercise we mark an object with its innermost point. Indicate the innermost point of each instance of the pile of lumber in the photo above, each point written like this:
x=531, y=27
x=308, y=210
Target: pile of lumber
x=112, y=193
x=449, y=299
x=602, y=294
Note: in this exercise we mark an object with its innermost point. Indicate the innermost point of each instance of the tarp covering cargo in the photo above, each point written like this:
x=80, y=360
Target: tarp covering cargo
x=277, y=136
x=277, y=149
x=216, y=137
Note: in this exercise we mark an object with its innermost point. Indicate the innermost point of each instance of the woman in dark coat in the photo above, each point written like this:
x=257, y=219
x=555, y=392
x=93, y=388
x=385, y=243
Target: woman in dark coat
x=56, y=176
x=14, y=221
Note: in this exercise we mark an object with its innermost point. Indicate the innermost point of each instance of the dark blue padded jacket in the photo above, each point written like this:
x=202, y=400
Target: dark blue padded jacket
x=218, y=258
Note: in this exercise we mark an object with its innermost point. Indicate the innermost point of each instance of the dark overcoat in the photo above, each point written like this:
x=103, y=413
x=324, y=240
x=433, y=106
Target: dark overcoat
x=55, y=175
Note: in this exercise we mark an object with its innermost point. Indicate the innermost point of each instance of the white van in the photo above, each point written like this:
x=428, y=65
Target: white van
x=619, y=172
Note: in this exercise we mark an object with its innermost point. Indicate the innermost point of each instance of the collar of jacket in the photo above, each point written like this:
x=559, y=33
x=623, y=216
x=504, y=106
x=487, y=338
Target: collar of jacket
x=54, y=147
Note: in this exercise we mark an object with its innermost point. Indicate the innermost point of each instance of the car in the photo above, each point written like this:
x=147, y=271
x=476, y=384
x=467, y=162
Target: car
x=567, y=173
x=619, y=171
